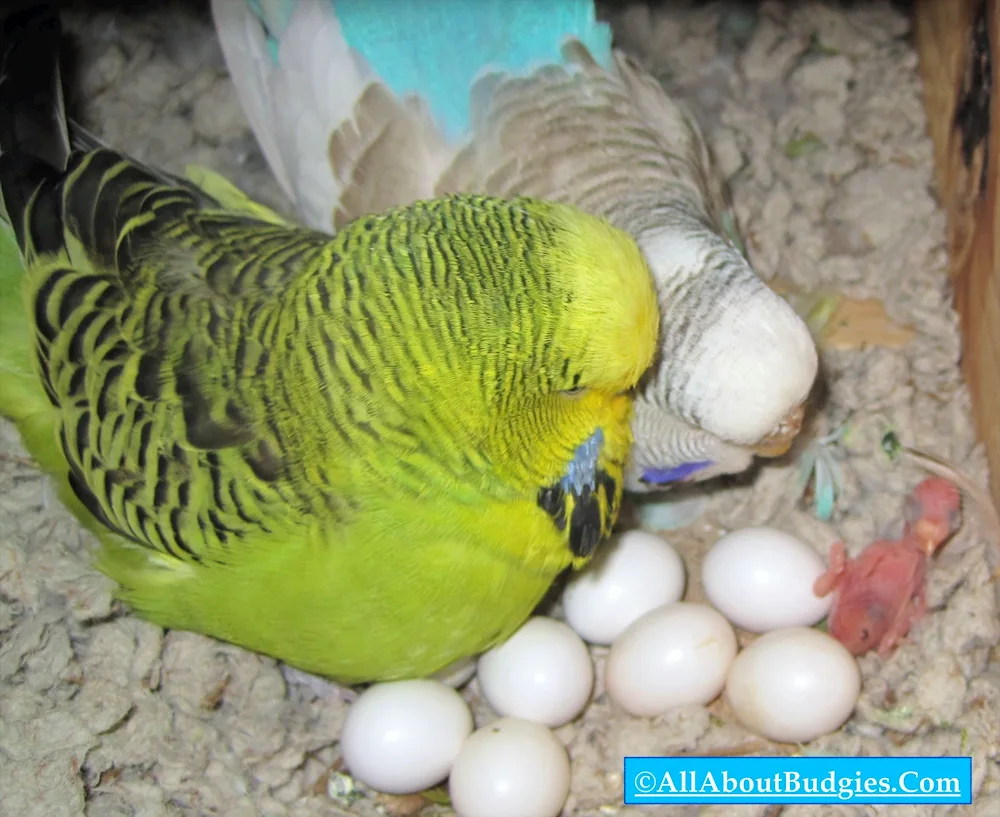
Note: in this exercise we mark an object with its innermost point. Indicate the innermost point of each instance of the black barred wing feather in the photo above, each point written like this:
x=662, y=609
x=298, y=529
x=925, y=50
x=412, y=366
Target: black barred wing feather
x=155, y=314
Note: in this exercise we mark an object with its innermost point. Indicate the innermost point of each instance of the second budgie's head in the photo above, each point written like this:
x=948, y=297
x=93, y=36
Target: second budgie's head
x=742, y=366
x=517, y=331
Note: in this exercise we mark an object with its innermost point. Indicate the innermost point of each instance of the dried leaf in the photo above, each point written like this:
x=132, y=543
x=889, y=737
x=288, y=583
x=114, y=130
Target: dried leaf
x=840, y=322
x=858, y=323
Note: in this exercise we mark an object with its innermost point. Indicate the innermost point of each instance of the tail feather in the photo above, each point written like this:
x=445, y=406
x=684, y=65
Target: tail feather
x=298, y=82
x=245, y=46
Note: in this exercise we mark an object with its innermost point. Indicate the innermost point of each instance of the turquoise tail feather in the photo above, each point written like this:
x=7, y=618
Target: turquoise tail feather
x=438, y=48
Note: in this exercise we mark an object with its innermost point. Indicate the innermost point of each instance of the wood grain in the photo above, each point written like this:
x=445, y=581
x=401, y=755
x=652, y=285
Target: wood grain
x=959, y=46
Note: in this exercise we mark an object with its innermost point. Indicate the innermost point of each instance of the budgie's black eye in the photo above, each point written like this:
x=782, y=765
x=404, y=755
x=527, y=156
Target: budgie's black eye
x=576, y=388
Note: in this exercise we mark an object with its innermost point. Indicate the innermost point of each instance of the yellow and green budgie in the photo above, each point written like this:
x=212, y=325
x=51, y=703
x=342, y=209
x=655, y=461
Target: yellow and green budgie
x=367, y=455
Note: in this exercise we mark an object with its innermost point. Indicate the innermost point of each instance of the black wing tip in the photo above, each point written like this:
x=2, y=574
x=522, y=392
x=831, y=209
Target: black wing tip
x=21, y=176
x=32, y=116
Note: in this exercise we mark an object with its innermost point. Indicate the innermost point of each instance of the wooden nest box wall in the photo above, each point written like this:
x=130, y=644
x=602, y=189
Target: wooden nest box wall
x=959, y=46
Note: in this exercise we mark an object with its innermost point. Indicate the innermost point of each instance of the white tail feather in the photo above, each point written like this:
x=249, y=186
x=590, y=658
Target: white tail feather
x=245, y=48
x=294, y=104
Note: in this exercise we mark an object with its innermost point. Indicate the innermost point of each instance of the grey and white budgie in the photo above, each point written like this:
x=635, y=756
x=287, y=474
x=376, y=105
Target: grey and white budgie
x=361, y=105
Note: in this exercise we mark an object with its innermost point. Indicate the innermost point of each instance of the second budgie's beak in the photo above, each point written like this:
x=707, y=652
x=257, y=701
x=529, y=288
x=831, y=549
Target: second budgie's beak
x=780, y=440
x=682, y=453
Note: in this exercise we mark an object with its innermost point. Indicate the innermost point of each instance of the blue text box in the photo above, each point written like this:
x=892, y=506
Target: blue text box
x=738, y=780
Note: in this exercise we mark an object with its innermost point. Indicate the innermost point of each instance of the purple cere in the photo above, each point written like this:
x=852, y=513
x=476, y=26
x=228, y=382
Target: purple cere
x=660, y=476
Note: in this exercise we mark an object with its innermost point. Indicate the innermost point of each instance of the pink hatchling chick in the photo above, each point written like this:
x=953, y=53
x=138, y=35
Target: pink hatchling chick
x=880, y=594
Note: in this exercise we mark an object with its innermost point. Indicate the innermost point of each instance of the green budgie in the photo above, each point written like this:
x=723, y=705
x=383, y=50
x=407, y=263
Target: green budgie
x=367, y=455
x=360, y=105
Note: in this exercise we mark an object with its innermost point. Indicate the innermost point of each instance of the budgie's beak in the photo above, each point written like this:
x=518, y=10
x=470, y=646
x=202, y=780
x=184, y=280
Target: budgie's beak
x=930, y=534
x=778, y=442
x=932, y=514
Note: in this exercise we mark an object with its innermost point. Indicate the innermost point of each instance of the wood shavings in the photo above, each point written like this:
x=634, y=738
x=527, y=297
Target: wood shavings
x=750, y=747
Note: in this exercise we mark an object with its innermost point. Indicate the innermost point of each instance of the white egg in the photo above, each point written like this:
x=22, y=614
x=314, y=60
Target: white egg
x=762, y=579
x=674, y=655
x=510, y=768
x=541, y=673
x=632, y=574
x=793, y=685
x=402, y=737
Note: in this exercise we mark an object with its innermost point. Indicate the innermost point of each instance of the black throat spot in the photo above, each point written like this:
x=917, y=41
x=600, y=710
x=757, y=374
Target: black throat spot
x=587, y=524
